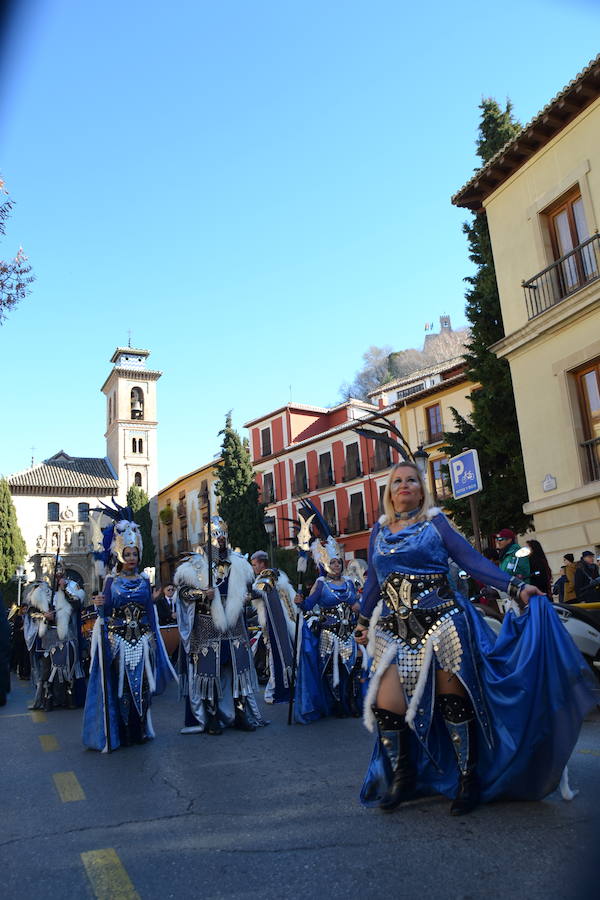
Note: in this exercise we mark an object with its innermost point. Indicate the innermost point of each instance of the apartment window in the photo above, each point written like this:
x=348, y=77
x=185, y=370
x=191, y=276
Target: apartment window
x=325, y=470
x=265, y=442
x=268, y=492
x=329, y=515
x=381, y=493
x=382, y=457
x=568, y=230
x=440, y=478
x=53, y=512
x=356, y=517
x=352, y=468
x=300, y=478
x=83, y=512
x=588, y=382
x=434, y=423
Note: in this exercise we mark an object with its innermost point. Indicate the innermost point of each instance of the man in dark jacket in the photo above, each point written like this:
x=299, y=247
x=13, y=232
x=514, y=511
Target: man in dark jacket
x=587, y=579
x=165, y=605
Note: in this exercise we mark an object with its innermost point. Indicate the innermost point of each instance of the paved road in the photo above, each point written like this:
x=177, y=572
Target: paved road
x=272, y=814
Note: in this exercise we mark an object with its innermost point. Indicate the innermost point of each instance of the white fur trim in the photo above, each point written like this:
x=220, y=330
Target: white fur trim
x=564, y=787
x=217, y=612
x=63, y=610
x=372, y=623
x=421, y=682
x=148, y=665
x=240, y=576
x=384, y=663
x=433, y=511
x=365, y=657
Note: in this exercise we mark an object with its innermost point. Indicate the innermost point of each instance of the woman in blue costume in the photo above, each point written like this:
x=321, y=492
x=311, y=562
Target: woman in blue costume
x=129, y=662
x=331, y=661
x=457, y=711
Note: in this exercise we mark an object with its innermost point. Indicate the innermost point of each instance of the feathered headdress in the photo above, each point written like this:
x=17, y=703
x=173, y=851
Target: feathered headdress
x=121, y=533
x=324, y=547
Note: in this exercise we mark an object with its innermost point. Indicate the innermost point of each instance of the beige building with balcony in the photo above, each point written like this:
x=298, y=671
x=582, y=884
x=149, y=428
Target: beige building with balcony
x=182, y=512
x=541, y=194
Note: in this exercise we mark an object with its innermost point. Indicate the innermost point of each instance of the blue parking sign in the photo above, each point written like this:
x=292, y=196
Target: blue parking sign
x=464, y=474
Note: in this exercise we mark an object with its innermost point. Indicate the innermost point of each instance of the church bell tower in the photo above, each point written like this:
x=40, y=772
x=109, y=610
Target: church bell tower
x=131, y=421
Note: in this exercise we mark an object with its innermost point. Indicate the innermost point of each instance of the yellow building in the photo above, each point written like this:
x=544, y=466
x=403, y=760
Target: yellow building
x=182, y=512
x=541, y=193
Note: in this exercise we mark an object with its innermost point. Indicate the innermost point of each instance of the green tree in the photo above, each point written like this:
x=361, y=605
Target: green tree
x=12, y=545
x=15, y=274
x=493, y=428
x=239, y=502
x=137, y=499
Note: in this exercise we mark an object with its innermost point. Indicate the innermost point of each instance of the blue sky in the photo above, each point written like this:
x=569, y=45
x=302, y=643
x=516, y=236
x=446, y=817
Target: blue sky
x=258, y=189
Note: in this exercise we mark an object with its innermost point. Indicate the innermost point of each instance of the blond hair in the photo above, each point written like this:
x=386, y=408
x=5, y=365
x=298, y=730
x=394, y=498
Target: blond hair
x=389, y=513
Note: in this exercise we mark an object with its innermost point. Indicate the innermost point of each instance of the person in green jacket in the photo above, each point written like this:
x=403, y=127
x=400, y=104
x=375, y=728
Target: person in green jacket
x=509, y=562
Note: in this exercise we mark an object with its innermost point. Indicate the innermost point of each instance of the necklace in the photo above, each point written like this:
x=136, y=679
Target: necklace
x=403, y=516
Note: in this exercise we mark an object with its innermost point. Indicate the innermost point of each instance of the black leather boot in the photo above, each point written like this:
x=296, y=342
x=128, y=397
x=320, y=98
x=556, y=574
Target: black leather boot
x=213, y=726
x=242, y=721
x=395, y=737
x=459, y=718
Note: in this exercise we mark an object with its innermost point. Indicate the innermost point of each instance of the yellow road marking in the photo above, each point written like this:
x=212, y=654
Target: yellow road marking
x=107, y=875
x=38, y=715
x=68, y=787
x=48, y=742
x=590, y=752
x=15, y=715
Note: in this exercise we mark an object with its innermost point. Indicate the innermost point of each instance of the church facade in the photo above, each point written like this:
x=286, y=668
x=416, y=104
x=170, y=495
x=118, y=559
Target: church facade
x=53, y=499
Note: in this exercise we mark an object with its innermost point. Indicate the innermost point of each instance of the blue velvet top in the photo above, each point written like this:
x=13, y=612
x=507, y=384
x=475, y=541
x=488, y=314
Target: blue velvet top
x=119, y=591
x=329, y=593
x=423, y=548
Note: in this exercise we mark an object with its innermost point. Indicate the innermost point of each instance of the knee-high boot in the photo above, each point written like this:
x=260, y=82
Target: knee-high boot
x=395, y=737
x=459, y=718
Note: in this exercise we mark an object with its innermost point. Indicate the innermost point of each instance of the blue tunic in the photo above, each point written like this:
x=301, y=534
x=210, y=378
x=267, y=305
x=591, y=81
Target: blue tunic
x=327, y=653
x=529, y=688
x=129, y=661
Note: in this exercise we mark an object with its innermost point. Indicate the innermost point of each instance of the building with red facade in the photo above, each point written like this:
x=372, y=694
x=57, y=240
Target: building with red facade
x=308, y=451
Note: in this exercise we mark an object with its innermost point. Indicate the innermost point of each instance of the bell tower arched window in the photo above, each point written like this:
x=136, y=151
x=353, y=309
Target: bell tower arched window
x=137, y=479
x=137, y=403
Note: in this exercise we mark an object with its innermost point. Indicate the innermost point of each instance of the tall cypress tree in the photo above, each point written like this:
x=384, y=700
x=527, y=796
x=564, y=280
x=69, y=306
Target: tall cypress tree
x=12, y=545
x=239, y=503
x=137, y=499
x=493, y=429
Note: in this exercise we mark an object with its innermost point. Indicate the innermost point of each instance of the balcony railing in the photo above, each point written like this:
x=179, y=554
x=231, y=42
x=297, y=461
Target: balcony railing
x=299, y=486
x=431, y=437
x=592, y=458
x=181, y=509
x=381, y=461
x=564, y=277
x=352, y=471
x=325, y=479
x=355, y=522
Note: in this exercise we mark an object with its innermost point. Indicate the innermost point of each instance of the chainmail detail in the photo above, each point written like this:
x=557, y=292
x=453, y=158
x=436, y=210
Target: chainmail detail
x=447, y=648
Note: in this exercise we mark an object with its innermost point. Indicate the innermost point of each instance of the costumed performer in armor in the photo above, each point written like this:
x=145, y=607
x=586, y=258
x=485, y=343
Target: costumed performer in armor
x=275, y=600
x=329, y=635
x=129, y=662
x=457, y=711
x=52, y=631
x=217, y=675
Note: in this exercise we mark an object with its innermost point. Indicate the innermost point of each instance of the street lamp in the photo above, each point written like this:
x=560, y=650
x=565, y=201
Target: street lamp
x=19, y=577
x=420, y=457
x=270, y=529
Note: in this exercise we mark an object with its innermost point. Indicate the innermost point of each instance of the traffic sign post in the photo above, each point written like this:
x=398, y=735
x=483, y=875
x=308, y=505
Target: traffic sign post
x=465, y=478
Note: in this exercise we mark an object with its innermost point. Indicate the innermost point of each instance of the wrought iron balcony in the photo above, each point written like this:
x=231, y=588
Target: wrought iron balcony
x=355, y=522
x=592, y=458
x=564, y=277
x=352, y=471
x=325, y=479
x=381, y=461
x=299, y=486
x=428, y=437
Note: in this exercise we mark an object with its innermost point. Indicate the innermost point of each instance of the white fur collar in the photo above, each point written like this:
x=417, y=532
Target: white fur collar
x=431, y=514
